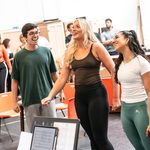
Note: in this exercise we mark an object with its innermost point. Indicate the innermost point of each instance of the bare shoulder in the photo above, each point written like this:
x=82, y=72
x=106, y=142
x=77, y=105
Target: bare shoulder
x=1, y=46
x=101, y=53
x=98, y=47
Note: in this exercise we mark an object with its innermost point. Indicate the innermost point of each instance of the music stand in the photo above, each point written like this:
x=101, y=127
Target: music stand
x=68, y=130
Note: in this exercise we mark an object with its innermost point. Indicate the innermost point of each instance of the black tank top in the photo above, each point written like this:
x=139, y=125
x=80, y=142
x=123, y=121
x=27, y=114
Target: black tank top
x=86, y=70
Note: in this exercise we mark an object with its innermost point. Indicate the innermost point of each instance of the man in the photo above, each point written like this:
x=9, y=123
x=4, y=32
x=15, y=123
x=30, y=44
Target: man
x=69, y=28
x=107, y=36
x=34, y=72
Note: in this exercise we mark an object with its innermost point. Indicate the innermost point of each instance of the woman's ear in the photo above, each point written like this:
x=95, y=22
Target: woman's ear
x=127, y=41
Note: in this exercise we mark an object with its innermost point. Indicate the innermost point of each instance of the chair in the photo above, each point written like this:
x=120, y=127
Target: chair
x=69, y=93
x=6, y=109
x=22, y=126
x=62, y=106
x=108, y=84
x=71, y=109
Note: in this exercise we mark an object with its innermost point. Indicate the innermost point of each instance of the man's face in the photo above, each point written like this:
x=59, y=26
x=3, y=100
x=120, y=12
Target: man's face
x=108, y=24
x=33, y=36
x=70, y=28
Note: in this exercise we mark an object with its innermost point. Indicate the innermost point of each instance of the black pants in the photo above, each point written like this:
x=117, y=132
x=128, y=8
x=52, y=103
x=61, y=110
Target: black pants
x=92, y=109
x=9, y=82
x=9, y=75
x=3, y=77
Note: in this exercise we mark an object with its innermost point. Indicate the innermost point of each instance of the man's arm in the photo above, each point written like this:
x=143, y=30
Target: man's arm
x=15, y=95
x=106, y=42
x=54, y=76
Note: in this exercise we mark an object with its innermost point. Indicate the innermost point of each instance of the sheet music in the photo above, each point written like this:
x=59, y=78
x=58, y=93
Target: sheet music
x=43, y=138
x=66, y=135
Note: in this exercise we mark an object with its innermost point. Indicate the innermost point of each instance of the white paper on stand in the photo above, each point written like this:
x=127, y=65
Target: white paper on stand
x=66, y=135
x=25, y=141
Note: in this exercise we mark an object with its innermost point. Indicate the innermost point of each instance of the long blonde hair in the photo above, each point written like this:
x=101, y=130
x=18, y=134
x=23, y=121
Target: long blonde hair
x=89, y=37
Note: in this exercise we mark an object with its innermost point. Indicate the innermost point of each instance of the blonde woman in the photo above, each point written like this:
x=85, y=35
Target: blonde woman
x=84, y=56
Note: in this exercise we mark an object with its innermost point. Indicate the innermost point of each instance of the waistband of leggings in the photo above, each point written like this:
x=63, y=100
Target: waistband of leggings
x=134, y=104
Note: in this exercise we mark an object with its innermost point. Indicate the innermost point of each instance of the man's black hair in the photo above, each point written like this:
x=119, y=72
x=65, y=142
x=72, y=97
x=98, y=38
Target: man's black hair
x=27, y=27
x=108, y=19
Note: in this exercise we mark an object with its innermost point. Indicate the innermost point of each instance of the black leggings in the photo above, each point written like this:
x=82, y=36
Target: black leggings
x=91, y=102
x=3, y=77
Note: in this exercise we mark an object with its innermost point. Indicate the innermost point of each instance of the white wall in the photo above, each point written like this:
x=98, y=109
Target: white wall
x=145, y=12
x=122, y=12
x=14, y=13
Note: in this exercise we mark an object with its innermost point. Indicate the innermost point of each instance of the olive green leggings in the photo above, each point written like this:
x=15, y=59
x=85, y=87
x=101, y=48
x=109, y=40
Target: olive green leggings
x=134, y=117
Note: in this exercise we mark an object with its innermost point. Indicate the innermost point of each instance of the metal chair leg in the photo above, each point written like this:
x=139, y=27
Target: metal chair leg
x=63, y=113
x=22, y=118
x=0, y=125
x=84, y=133
x=7, y=130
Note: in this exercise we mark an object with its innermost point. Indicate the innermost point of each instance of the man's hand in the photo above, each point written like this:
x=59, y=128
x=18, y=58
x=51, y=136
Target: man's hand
x=16, y=108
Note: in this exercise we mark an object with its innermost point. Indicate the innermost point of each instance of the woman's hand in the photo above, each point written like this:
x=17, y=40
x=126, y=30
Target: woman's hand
x=116, y=104
x=45, y=101
x=148, y=131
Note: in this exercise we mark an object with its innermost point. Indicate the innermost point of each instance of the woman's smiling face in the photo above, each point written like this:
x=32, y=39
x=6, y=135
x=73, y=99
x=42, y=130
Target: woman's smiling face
x=120, y=41
x=77, y=31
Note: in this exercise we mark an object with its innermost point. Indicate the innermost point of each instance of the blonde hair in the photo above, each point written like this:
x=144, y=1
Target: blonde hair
x=89, y=37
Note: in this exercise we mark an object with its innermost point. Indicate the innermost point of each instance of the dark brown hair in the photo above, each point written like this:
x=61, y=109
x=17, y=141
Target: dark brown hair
x=27, y=27
x=134, y=46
